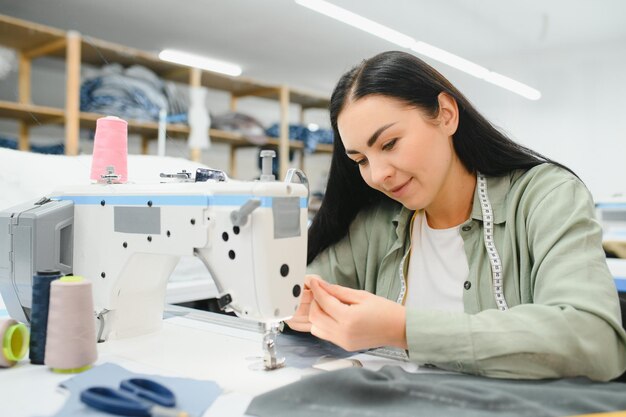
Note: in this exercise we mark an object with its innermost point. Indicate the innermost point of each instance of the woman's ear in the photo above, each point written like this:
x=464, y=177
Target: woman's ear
x=448, y=113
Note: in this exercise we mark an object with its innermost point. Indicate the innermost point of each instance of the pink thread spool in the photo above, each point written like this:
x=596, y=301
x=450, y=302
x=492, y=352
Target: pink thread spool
x=110, y=148
x=71, y=340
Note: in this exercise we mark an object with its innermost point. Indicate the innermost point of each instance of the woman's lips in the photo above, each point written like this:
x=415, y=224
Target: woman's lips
x=396, y=192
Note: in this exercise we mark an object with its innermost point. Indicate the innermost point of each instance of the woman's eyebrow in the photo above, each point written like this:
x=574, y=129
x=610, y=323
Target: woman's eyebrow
x=372, y=140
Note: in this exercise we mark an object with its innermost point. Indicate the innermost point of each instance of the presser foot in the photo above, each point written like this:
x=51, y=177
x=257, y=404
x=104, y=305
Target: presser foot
x=270, y=359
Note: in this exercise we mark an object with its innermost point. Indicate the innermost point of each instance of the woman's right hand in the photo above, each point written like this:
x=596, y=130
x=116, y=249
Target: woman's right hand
x=300, y=320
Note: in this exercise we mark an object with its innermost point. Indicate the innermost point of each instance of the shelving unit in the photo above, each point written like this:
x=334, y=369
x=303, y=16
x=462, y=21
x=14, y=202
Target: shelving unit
x=32, y=40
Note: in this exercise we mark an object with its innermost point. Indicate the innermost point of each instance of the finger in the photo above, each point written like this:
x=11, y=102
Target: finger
x=317, y=332
x=310, y=277
x=344, y=294
x=300, y=319
x=299, y=327
x=302, y=314
x=331, y=305
x=306, y=297
x=322, y=319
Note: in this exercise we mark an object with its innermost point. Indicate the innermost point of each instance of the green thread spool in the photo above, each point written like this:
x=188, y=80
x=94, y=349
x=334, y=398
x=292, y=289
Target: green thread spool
x=15, y=339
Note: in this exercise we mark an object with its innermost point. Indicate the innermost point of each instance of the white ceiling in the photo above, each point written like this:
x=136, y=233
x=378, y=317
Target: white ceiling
x=279, y=41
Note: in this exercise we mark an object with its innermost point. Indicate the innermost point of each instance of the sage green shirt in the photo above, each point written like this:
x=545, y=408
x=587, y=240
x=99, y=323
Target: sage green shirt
x=564, y=315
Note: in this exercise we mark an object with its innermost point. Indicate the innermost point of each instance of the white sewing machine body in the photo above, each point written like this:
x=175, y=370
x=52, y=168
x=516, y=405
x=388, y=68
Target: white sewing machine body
x=127, y=239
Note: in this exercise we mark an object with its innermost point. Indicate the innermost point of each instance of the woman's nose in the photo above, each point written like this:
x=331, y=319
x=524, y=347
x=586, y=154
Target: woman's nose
x=380, y=172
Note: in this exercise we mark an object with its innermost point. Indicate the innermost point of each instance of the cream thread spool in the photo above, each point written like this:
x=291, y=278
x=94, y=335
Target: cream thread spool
x=71, y=341
x=14, y=339
x=110, y=148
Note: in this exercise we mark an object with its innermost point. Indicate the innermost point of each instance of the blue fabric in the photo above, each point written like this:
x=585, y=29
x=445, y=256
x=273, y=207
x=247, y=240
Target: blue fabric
x=302, y=133
x=56, y=149
x=132, y=93
x=192, y=396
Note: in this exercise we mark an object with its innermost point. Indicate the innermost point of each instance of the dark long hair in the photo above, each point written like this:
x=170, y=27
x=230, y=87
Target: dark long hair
x=478, y=144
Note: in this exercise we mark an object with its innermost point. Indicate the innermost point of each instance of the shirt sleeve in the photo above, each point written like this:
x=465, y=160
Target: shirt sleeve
x=355, y=260
x=336, y=264
x=572, y=328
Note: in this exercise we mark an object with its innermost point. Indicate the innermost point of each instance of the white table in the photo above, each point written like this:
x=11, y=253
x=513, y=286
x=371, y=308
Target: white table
x=200, y=345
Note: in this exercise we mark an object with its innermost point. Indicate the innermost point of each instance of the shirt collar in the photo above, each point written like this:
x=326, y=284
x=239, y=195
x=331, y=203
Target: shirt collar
x=497, y=190
x=401, y=220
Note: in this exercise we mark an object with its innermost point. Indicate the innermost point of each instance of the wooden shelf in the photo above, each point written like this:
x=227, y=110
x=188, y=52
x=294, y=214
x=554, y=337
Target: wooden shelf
x=95, y=52
x=27, y=36
x=34, y=115
x=32, y=40
x=31, y=114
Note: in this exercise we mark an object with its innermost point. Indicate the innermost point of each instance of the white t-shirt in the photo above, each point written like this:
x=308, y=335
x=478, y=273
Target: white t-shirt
x=437, y=268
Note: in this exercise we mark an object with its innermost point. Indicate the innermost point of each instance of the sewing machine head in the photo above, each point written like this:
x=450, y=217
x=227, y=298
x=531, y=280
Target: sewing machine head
x=127, y=239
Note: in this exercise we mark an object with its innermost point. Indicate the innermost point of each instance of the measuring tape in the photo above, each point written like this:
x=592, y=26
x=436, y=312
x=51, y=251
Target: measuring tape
x=492, y=252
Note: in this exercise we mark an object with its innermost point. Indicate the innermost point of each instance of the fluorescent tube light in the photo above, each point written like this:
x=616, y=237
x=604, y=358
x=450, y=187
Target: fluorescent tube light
x=512, y=85
x=476, y=70
x=358, y=22
x=422, y=48
x=450, y=59
x=197, y=61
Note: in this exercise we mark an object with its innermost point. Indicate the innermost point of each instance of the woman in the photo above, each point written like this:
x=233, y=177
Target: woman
x=441, y=236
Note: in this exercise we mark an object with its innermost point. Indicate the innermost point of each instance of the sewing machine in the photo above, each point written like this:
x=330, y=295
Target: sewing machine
x=127, y=239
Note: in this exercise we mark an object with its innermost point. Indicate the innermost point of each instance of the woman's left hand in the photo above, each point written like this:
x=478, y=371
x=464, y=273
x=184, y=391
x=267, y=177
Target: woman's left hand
x=355, y=319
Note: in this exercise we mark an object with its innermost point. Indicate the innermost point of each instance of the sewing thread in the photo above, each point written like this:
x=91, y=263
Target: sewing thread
x=39, y=314
x=71, y=341
x=14, y=340
x=110, y=149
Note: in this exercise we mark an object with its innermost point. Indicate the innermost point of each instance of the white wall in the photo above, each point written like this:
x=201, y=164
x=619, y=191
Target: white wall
x=579, y=120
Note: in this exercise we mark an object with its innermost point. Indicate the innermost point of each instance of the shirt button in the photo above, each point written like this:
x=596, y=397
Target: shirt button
x=467, y=285
x=466, y=228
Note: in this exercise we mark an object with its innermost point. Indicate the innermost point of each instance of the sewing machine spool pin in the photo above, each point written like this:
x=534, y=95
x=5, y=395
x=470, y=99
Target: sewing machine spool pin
x=110, y=177
x=267, y=157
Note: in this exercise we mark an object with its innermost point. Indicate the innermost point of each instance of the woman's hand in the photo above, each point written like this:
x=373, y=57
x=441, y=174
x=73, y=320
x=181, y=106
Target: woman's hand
x=300, y=320
x=355, y=319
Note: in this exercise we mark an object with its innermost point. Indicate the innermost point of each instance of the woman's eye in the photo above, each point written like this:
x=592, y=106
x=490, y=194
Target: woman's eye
x=389, y=145
x=361, y=161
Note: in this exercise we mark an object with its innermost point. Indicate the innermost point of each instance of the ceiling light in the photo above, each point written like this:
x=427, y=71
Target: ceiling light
x=358, y=21
x=197, y=61
x=512, y=85
x=420, y=47
x=450, y=59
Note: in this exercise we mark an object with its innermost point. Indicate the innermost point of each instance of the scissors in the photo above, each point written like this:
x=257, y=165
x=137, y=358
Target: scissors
x=136, y=397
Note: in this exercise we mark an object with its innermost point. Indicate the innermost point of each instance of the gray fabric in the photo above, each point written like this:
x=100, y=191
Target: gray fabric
x=303, y=350
x=192, y=395
x=392, y=392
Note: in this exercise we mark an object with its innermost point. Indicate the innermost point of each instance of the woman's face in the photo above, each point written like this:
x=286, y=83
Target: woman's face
x=399, y=150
